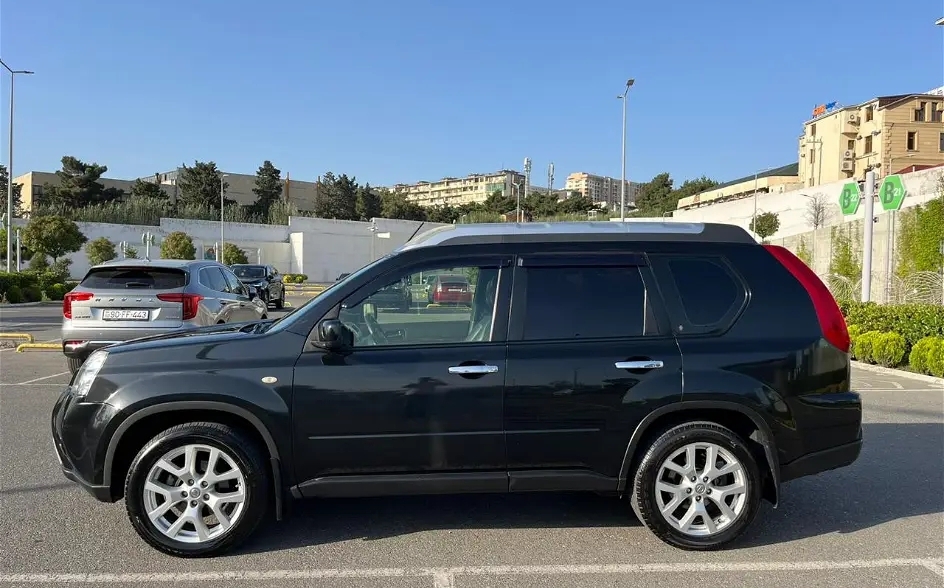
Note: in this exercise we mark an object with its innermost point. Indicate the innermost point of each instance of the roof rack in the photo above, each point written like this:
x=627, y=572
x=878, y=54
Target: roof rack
x=588, y=231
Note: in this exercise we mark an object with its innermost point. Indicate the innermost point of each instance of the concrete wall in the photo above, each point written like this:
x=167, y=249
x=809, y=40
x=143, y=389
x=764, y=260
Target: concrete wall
x=319, y=248
x=792, y=207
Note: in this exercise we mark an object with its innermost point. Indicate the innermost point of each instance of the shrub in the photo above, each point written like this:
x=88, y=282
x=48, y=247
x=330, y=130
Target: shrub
x=865, y=344
x=233, y=255
x=854, y=332
x=936, y=359
x=913, y=321
x=294, y=278
x=13, y=294
x=178, y=245
x=888, y=349
x=39, y=262
x=100, y=250
x=920, y=354
x=57, y=291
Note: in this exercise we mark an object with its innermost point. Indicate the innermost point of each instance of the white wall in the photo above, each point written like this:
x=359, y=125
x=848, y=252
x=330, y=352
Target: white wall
x=791, y=207
x=319, y=248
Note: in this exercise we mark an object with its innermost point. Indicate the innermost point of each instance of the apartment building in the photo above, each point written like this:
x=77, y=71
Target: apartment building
x=890, y=134
x=601, y=189
x=239, y=188
x=471, y=189
x=32, y=182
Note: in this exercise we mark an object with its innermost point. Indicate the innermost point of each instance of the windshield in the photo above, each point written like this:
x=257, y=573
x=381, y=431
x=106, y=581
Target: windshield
x=249, y=271
x=290, y=318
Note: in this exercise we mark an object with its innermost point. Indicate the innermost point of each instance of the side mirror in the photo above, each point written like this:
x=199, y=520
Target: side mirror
x=251, y=292
x=333, y=335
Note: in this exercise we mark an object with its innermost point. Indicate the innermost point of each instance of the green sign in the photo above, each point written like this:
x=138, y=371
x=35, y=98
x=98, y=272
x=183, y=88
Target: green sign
x=892, y=192
x=849, y=198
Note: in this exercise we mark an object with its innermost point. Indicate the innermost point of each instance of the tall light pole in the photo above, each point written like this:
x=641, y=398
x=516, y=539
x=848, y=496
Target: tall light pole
x=629, y=84
x=13, y=74
x=527, y=184
x=222, y=203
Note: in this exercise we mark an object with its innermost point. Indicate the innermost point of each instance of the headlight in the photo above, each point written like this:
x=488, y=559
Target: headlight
x=87, y=373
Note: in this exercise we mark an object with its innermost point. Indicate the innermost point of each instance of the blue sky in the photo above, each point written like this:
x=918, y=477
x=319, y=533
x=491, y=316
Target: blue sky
x=409, y=90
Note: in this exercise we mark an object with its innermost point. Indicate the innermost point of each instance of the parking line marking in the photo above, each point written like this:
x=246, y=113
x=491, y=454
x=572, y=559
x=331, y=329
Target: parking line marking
x=935, y=568
x=904, y=390
x=40, y=379
x=443, y=577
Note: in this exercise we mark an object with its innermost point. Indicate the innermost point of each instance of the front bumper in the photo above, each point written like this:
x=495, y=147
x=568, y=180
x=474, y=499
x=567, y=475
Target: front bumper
x=70, y=426
x=82, y=349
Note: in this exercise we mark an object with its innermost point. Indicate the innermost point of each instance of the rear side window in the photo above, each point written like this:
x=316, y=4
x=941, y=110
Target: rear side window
x=118, y=278
x=212, y=278
x=706, y=292
x=584, y=303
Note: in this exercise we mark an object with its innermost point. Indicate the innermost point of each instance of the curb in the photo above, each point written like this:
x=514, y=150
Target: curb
x=900, y=373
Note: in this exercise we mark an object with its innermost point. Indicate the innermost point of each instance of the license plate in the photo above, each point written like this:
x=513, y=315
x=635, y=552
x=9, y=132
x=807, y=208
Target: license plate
x=125, y=315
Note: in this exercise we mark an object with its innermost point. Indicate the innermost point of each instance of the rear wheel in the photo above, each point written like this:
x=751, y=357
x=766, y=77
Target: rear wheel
x=197, y=489
x=698, y=487
x=74, y=363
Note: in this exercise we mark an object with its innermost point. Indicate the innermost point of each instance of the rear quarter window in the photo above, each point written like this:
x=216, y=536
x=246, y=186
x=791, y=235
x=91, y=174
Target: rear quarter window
x=703, y=294
x=117, y=278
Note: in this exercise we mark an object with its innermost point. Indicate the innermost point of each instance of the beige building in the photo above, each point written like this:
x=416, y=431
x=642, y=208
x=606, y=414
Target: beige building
x=472, y=189
x=771, y=181
x=32, y=190
x=601, y=189
x=239, y=188
x=889, y=134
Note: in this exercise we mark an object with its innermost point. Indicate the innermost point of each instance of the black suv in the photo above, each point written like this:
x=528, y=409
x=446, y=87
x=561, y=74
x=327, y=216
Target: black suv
x=682, y=367
x=266, y=279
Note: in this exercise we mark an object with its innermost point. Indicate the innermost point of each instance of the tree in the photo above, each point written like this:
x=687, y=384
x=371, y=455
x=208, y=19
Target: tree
x=233, y=254
x=369, y=203
x=17, y=195
x=767, y=223
x=52, y=236
x=818, y=211
x=130, y=252
x=149, y=190
x=200, y=185
x=578, y=204
x=498, y=203
x=100, y=250
x=396, y=205
x=920, y=237
x=79, y=185
x=845, y=260
x=178, y=245
x=803, y=252
x=336, y=197
x=656, y=197
x=268, y=188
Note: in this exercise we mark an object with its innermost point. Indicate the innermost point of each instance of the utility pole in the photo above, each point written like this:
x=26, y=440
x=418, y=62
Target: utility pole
x=869, y=225
x=222, y=205
x=623, y=96
x=13, y=74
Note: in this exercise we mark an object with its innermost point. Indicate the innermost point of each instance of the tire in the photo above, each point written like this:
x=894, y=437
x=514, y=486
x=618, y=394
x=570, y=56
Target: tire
x=236, y=450
x=74, y=364
x=647, y=502
x=280, y=303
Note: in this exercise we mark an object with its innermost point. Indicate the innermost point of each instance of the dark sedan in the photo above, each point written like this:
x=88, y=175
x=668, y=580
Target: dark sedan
x=265, y=279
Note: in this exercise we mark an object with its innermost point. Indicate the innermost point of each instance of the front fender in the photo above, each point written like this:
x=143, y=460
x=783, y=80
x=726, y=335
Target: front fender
x=264, y=407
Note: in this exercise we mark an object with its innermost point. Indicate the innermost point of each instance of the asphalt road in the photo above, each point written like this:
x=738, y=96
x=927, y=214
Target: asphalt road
x=877, y=523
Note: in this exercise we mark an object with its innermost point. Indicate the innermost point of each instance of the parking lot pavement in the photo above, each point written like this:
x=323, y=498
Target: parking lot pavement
x=876, y=523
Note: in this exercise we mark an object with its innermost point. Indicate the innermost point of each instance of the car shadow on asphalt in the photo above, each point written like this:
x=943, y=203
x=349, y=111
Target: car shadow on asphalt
x=896, y=460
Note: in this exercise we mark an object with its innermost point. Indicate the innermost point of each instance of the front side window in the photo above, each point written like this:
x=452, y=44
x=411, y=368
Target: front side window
x=584, y=303
x=434, y=306
x=235, y=286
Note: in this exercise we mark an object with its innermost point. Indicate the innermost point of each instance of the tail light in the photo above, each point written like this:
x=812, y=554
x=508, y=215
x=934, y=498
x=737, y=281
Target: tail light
x=71, y=297
x=831, y=321
x=190, y=301
x=439, y=287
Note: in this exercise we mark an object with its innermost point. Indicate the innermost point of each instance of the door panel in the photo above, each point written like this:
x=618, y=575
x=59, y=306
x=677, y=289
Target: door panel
x=390, y=410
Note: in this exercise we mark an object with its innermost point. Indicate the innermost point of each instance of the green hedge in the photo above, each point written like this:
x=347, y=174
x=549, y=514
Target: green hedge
x=897, y=335
x=294, y=278
x=33, y=286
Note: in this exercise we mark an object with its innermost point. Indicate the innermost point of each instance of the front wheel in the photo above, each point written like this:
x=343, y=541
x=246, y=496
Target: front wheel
x=698, y=486
x=280, y=302
x=197, y=489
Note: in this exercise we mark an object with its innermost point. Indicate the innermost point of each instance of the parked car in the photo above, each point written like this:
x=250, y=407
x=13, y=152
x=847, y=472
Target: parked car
x=448, y=290
x=132, y=298
x=682, y=367
x=266, y=279
x=396, y=296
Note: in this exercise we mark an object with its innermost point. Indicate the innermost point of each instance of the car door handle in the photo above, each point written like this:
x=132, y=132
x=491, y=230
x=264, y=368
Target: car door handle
x=646, y=364
x=473, y=369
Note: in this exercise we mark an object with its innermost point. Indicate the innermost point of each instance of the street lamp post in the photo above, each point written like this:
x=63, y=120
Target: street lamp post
x=629, y=84
x=527, y=184
x=13, y=74
x=222, y=202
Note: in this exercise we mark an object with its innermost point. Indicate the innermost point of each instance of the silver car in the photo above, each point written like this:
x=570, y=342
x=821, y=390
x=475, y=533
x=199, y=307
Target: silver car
x=131, y=298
